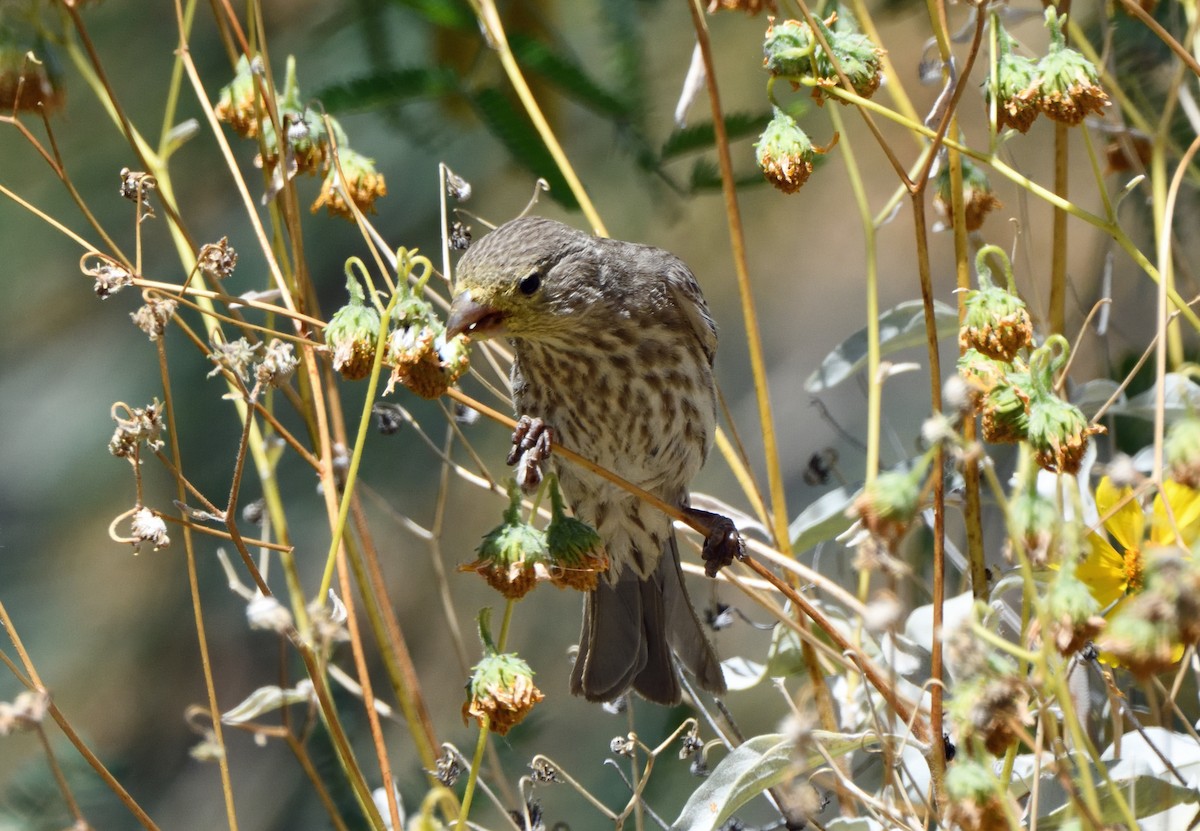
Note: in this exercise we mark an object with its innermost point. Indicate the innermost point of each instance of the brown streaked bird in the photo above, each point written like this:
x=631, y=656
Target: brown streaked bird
x=613, y=347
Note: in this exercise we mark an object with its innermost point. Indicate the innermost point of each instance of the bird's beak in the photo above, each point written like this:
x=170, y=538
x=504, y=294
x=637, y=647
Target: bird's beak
x=471, y=318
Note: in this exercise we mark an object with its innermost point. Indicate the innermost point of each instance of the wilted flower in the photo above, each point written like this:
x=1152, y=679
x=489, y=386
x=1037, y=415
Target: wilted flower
x=152, y=317
x=148, y=527
x=576, y=552
x=236, y=356
x=1016, y=94
x=1067, y=83
x=110, y=275
x=978, y=198
x=277, y=364
x=235, y=102
x=996, y=321
x=1058, y=431
x=139, y=425
x=856, y=56
x=996, y=709
x=785, y=153
x=352, y=333
x=424, y=361
x=363, y=184
x=501, y=691
x=217, y=259
x=1144, y=636
x=510, y=551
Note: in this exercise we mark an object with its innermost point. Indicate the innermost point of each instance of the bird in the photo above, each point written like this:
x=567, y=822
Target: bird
x=613, y=348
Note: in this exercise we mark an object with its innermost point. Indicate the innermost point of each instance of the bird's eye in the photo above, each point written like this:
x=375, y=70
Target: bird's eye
x=531, y=283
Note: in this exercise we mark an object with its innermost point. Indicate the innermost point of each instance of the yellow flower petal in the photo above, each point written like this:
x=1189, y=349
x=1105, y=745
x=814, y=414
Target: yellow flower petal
x=1185, y=508
x=1103, y=571
x=1127, y=524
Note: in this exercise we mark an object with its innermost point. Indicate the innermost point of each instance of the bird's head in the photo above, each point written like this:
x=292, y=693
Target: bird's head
x=531, y=278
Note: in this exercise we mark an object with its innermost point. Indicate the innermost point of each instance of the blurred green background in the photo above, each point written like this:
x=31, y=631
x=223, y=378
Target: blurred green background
x=113, y=635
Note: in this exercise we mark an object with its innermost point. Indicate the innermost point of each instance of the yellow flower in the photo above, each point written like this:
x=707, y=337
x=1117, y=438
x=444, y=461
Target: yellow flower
x=1115, y=573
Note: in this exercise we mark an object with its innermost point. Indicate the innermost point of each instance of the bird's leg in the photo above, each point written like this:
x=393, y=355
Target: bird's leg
x=531, y=443
x=722, y=542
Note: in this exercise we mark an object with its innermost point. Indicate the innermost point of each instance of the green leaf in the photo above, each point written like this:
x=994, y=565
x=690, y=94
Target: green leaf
x=822, y=520
x=386, y=88
x=899, y=328
x=516, y=132
x=565, y=74
x=706, y=177
x=700, y=136
x=756, y=765
x=449, y=14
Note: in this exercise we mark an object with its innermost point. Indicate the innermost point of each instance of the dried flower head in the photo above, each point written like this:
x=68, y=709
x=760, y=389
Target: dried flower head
x=277, y=365
x=1015, y=86
x=788, y=48
x=26, y=712
x=236, y=356
x=576, y=556
x=153, y=316
x=997, y=709
x=217, y=259
x=460, y=236
x=501, y=691
x=148, y=527
x=1067, y=83
x=785, y=153
x=510, y=552
x=110, y=275
x=424, y=361
x=996, y=321
x=363, y=184
x=140, y=425
x=236, y=101
x=978, y=198
x=352, y=333
x=858, y=58
x=266, y=612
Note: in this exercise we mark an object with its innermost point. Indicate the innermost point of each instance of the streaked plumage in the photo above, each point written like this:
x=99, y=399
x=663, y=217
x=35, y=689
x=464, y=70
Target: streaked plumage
x=613, y=349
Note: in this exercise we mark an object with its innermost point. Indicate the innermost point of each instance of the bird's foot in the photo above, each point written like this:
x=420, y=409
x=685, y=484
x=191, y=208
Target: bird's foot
x=532, y=441
x=722, y=542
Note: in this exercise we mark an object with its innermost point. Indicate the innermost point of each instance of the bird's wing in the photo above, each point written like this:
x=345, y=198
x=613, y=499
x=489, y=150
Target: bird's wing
x=685, y=292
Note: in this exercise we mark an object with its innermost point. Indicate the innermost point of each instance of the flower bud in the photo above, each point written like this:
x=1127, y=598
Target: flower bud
x=1016, y=93
x=363, y=184
x=1068, y=85
x=510, y=551
x=978, y=198
x=785, y=153
x=576, y=552
x=1183, y=451
x=788, y=49
x=351, y=334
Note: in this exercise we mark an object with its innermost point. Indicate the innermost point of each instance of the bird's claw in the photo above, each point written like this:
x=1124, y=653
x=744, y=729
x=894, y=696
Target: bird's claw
x=532, y=441
x=722, y=542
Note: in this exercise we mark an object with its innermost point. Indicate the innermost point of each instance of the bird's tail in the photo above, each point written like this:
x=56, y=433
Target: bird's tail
x=632, y=627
